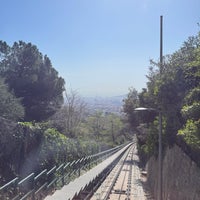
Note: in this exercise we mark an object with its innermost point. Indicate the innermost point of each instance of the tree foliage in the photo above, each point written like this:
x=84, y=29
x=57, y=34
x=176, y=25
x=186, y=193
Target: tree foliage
x=53, y=148
x=191, y=133
x=10, y=106
x=170, y=89
x=176, y=92
x=191, y=104
x=130, y=103
x=31, y=77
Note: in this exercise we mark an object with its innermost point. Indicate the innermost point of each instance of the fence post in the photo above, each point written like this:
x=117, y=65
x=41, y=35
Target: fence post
x=79, y=169
x=33, y=187
x=89, y=159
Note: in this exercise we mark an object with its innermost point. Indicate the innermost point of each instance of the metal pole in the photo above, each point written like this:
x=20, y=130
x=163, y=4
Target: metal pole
x=160, y=158
x=161, y=44
x=160, y=118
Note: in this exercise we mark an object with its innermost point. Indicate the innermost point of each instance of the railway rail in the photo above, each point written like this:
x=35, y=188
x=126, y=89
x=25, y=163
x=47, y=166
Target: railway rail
x=121, y=182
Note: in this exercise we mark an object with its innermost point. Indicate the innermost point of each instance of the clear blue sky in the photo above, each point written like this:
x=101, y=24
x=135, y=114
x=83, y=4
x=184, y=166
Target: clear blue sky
x=100, y=47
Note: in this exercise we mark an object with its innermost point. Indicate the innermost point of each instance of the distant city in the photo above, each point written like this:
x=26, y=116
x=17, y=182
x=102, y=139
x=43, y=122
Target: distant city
x=105, y=104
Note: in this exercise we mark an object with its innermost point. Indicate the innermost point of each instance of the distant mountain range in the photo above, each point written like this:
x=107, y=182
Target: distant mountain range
x=105, y=104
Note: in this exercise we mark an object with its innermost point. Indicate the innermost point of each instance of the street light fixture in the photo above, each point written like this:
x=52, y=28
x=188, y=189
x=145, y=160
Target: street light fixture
x=159, y=148
x=144, y=109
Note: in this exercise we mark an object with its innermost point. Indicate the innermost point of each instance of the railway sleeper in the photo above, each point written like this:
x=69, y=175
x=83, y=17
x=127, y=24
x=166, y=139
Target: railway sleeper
x=119, y=191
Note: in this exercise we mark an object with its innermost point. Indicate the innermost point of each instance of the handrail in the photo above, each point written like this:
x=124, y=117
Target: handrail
x=40, y=174
x=26, y=179
x=9, y=183
x=33, y=184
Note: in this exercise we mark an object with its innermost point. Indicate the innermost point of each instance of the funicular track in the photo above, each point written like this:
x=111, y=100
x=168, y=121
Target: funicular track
x=119, y=182
x=117, y=185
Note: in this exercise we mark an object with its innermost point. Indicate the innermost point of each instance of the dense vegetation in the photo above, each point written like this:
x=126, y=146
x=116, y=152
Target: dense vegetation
x=176, y=93
x=42, y=124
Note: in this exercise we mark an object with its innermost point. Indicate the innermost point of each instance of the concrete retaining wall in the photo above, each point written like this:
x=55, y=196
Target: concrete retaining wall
x=181, y=176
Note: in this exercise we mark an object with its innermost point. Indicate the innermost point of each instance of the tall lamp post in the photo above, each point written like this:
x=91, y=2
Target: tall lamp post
x=159, y=149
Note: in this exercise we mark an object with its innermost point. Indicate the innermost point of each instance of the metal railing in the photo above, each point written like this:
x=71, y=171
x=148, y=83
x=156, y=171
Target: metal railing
x=37, y=186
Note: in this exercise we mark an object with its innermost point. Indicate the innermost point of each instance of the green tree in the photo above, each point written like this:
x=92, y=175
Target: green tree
x=97, y=124
x=176, y=93
x=191, y=108
x=129, y=104
x=31, y=76
x=168, y=89
x=10, y=106
x=171, y=90
x=114, y=128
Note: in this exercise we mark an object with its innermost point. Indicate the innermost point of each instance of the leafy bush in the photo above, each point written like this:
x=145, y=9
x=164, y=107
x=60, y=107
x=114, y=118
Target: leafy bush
x=191, y=133
x=53, y=148
x=192, y=111
x=147, y=141
x=193, y=95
